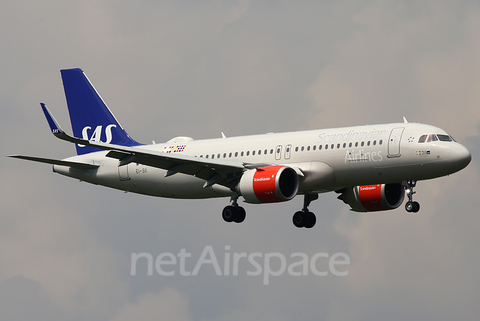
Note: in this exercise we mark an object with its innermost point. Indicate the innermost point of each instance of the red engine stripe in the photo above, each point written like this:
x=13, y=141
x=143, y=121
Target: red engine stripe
x=264, y=184
x=371, y=196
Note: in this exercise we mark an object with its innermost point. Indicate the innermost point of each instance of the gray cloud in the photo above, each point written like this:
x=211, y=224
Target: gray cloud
x=169, y=68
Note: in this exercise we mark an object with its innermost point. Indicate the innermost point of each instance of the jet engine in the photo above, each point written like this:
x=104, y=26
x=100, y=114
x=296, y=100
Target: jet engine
x=268, y=184
x=367, y=198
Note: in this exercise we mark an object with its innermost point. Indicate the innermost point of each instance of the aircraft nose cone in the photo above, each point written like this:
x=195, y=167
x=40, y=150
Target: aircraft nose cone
x=460, y=157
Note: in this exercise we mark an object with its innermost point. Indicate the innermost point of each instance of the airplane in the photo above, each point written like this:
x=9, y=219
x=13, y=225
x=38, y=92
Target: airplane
x=371, y=167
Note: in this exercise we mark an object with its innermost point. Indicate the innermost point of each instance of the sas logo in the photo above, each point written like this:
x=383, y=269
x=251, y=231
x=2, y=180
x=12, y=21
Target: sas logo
x=174, y=149
x=96, y=135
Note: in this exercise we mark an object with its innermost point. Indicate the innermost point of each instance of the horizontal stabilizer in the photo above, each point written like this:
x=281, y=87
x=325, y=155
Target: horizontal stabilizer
x=56, y=162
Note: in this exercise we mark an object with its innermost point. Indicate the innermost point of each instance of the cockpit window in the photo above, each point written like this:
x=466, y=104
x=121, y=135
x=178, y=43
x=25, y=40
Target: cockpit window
x=422, y=139
x=432, y=138
x=444, y=138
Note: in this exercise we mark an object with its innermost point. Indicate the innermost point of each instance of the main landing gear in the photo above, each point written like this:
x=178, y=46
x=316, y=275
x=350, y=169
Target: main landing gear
x=234, y=213
x=411, y=206
x=305, y=218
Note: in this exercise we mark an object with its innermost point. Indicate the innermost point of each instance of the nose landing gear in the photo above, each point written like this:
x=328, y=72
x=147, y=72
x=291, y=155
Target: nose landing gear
x=411, y=206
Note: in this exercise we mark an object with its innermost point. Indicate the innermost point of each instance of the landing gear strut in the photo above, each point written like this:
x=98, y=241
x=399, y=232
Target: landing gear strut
x=305, y=218
x=234, y=213
x=411, y=206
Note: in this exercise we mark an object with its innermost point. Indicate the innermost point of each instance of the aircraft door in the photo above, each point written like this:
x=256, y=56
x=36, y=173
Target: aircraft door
x=278, y=152
x=123, y=173
x=394, y=142
x=288, y=150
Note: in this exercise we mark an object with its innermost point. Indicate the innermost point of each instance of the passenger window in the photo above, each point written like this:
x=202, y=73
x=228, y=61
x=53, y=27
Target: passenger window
x=344, y=145
x=303, y=148
x=265, y=152
x=253, y=153
x=356, y=144
x=333, y=146
x=368, y=143
x=350, y=145
x=218, y=156
x=271, y=151
x=374, y=142
x=259, y=152
x=241, y=154
x=236, y=154
x=422, y=139
x=296, y=149
x=224, y=155
x=308, y=148
x=326, y=146
x=380, y=142
x=363, y=143
x=314, y=147
x=248, y=153
x=319, y=147
x=206, y=156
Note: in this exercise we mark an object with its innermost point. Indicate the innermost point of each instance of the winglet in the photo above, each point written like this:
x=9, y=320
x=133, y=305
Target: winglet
x=57, y=130
x=52, y=122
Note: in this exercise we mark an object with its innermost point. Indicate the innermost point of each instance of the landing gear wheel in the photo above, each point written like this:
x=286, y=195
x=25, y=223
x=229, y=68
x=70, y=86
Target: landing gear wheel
x=299, y=219
x=229, y=213
x=240, y=215
x=304, y=219
x=416, y=207
x=412, y=207
x=311, y=220
x=409, y=207
x=234, y=213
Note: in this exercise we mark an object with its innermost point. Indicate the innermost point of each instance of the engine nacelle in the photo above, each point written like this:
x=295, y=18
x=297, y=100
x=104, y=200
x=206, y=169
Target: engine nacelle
x=369, y=198
x=268, y=184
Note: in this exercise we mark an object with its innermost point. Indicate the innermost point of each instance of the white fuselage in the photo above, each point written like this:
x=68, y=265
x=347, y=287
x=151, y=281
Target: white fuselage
x=328, y=159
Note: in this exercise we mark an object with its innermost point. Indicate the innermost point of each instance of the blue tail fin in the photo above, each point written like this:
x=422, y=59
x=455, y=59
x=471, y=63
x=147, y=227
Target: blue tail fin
x=90, y=117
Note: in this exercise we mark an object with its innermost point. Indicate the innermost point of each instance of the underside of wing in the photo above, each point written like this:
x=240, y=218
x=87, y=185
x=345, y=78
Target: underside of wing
x=225, y=173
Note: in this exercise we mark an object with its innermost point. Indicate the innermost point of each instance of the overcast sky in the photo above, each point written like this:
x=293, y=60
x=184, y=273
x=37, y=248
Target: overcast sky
x=199, y=68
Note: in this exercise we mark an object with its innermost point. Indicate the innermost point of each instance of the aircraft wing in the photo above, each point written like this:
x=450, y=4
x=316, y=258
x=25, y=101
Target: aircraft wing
x=226, y=173
x=56, y=162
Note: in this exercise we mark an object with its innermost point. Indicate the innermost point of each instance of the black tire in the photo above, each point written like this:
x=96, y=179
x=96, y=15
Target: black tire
x=240, y=215
x=311, y=220
x=229, y=213
x=409, y=207
x=416, y=207
x=298, y=219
